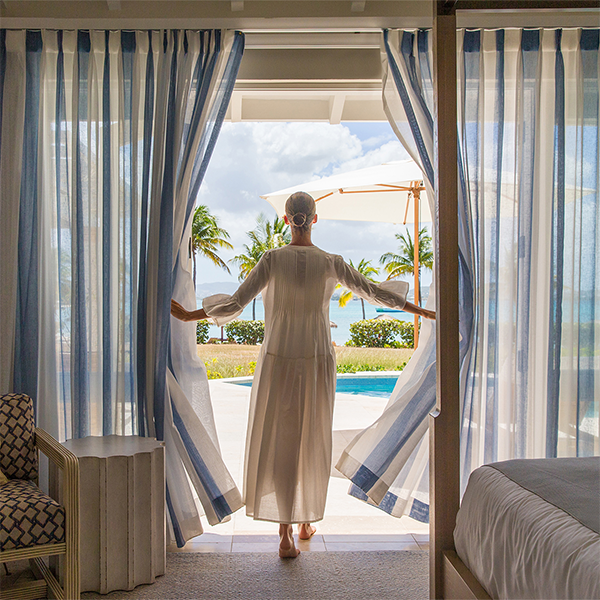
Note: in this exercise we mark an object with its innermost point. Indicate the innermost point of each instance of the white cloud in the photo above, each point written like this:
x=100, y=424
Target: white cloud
x=257, y=158
x=388, y=152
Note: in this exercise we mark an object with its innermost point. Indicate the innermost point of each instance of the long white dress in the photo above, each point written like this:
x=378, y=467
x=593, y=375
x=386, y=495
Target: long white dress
x=289, y=440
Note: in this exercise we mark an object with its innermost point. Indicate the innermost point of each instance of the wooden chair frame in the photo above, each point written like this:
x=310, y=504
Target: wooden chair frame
x=64, y=460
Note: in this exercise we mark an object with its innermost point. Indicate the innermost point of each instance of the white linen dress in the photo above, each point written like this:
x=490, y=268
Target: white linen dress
x=289, y=439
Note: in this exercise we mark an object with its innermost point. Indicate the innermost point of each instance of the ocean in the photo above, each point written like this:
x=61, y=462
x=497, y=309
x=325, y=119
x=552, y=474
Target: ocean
x=342, y=317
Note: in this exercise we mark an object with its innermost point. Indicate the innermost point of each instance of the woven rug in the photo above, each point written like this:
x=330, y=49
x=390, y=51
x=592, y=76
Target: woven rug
x=318, y=575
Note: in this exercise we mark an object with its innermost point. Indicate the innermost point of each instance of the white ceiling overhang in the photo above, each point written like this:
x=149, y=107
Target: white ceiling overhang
x=305, y=60
x=312, y=76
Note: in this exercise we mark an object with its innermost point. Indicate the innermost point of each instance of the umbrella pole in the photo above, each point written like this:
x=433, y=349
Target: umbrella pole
x=416, y=195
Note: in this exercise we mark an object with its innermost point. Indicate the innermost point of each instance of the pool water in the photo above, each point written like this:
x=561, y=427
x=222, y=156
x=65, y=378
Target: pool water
x=378, y=387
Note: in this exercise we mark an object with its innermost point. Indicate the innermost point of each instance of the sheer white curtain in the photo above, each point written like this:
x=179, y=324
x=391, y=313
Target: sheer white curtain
x=529, y=242
x=104, y=140
x=528, y=114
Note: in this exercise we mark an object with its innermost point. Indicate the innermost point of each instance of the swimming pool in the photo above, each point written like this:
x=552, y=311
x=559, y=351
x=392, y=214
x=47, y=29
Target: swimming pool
x=378, y=386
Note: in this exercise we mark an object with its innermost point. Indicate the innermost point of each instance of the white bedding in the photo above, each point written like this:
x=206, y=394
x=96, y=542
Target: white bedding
x=520, y=546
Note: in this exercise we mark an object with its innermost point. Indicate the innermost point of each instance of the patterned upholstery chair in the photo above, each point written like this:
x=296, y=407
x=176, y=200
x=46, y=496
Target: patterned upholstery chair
x=33, y=525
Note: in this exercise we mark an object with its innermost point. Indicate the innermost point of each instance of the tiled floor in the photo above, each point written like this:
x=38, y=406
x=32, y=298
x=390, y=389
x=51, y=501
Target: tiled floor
x=348, y=525
x=210, y=542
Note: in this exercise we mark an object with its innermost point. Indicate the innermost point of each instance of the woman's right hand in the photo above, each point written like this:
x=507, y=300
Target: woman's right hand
x=187, y=315
x=419, y=310
x=428, y=314
x=179, y=312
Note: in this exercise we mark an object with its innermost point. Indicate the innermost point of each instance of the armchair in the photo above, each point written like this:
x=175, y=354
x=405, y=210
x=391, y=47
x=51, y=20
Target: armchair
x=33, y=525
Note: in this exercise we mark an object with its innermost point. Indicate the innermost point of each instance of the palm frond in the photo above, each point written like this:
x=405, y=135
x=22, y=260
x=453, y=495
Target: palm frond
x=207, y=236
x=402, y=264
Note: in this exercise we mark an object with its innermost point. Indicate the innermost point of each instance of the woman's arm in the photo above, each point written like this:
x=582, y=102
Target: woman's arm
x=418, y=310
x=389, y=293
x=222, y=308
x=186, y=315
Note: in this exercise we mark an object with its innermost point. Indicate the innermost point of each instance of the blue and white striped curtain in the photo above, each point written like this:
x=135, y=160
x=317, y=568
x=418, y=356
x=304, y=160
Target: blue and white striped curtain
x=529, y=241
x=105, y=137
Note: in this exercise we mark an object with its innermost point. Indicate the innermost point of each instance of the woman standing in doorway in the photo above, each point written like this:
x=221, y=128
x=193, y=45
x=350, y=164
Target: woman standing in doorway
x=289, y=441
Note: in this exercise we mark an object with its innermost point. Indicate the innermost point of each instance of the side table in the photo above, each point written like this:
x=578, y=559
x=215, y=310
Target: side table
x=122, y=511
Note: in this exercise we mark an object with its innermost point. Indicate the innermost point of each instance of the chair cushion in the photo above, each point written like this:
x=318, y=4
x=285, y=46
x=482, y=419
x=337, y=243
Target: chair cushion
x=28, y=516
x=18, y=455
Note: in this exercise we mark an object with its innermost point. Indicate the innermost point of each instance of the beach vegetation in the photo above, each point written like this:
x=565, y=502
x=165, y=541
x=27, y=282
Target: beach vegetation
x=402, y=264
x=381, y=333
x=239, y=360
x=207, y=238
x=202, y=329
x=245, y=332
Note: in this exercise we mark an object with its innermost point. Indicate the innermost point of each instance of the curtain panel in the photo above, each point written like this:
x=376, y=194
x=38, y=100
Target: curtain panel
x=105, y=137
x=529, y=235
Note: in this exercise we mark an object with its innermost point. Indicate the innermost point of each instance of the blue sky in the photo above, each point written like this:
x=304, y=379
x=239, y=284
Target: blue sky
x=251, y=159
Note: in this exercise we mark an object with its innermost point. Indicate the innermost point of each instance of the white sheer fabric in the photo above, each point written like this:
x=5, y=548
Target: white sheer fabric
x=528, y=236
x=387, y=462
x=104, y=139
x=528, y=239
x=13, y=102
x=289, y=442
x=528, y=109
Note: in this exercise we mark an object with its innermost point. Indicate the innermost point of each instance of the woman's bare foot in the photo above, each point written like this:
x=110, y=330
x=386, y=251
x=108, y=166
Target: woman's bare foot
x=306, y=531
x=287, y=548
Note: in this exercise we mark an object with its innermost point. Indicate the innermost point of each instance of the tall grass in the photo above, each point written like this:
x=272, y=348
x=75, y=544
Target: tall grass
x=236, y=360
x=350, y=360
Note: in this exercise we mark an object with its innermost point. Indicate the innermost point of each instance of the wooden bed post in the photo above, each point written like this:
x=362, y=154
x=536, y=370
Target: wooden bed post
x=444, y=453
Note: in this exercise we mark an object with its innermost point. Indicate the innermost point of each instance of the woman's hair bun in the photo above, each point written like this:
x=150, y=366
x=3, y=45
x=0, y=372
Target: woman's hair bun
x=300, y=209
x=298, y=219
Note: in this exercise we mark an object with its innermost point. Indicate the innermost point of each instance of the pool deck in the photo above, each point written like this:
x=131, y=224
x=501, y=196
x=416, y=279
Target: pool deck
x=349, y=524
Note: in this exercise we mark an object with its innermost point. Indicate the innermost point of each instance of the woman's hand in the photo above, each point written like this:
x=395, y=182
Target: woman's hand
x=179, y=312
x=418, y=310
x=186, y=315
x=428, y=314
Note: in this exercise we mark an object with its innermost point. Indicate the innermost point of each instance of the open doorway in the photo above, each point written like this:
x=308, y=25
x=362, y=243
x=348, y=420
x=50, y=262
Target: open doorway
x=250, y=160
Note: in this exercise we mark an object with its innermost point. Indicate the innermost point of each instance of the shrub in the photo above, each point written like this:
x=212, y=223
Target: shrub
x=202, y=332
x=381, y=333
x=246, y=332
x=406, y=334
x=357, y=368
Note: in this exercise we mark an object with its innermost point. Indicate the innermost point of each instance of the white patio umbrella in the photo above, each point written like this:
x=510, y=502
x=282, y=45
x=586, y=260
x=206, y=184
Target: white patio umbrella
x=385, y=193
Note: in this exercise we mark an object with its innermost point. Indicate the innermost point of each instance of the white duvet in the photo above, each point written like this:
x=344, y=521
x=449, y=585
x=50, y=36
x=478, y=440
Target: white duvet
x=520, y=546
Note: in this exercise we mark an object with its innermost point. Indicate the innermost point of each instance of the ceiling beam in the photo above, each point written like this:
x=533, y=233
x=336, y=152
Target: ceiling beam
x=114, y=4
x=237, y=5
x=336, y=108
x=235, y=107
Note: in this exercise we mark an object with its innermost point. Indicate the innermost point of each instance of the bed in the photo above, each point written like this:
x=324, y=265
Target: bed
x=530, y=529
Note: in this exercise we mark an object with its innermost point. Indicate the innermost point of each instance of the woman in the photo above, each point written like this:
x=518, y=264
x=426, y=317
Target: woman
x=289, y=441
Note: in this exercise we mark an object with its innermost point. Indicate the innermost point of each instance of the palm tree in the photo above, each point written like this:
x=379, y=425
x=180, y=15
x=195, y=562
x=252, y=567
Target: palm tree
x=207, y=237
x=364, y=268
x=402, y=264
x=267, y=235
x=264, y=236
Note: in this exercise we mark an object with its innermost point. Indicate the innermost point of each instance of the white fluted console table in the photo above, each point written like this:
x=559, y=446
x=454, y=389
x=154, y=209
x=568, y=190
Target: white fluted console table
x=122, y=511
